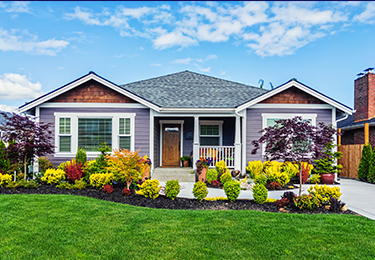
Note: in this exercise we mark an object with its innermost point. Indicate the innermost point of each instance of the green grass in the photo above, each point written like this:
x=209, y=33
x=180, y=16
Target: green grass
x=74, y=227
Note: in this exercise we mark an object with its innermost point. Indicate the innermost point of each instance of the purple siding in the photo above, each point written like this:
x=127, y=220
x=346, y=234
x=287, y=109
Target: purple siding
x=254, y=124
x=142, y=122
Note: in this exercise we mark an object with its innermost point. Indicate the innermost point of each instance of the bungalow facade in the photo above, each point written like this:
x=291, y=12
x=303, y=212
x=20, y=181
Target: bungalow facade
x=167, y=117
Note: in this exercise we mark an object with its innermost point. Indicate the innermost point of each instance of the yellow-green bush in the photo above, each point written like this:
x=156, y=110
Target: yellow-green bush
x=5, y=179
x=200, y=190
x=172, y=189
x=272, y=167
x=221, y=167
x=53, y=176
x=225, y=177
x=149, y=189
x=260, y=193
x=261, y=179
x=280, y=177
x=98, y=180
x=323, y=193
x=254, y=168
x=63, y=165
x=270, y=200
x=292, y=169
x=215, y=198
x=232, y=190
x=308, y=165
x=211, y=175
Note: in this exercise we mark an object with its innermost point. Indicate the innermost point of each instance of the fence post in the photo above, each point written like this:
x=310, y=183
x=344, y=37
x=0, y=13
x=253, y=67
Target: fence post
x=366, y=133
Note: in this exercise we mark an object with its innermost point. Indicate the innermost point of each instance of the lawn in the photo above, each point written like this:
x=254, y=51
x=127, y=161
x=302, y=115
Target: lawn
x=75, y=227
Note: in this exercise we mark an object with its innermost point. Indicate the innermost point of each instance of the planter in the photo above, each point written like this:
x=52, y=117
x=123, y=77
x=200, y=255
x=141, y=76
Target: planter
x=146, y=173
x=202, y=175
x=185, y=163
x=327, y=178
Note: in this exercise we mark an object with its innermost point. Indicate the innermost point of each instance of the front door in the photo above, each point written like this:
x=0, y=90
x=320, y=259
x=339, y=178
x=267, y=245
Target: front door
x=171, y=145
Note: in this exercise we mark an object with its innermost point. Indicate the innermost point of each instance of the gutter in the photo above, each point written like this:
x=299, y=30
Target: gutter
x=357, y=126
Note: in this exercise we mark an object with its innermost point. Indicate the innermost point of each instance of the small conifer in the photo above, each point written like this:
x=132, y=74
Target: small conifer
x=364, y=164
x=371, y=172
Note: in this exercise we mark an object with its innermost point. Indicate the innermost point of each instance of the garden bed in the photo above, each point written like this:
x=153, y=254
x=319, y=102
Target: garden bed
x=163, y=202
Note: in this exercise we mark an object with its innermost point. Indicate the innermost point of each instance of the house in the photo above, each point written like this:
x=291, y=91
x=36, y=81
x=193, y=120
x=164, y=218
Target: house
x=352, y=126
x=174, y=115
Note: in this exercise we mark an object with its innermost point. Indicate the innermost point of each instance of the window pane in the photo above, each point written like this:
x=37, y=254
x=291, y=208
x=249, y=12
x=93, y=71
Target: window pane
x=64, y=144
x=127, y=126
x=209, y=129
x=209, y=141
x=125, y=142
x=94, y=131
x=64, y=126
x=122, y=126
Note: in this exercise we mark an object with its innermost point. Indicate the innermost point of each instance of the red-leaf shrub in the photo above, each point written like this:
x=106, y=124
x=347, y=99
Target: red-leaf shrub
x=274, y=186
x=126, y=192
x=74, y=171
x=282, y=202
x=108, y=188
x=215, y=183
x=305, y=173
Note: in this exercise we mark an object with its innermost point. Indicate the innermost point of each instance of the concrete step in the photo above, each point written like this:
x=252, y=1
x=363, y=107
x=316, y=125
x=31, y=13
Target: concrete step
x=178, y=173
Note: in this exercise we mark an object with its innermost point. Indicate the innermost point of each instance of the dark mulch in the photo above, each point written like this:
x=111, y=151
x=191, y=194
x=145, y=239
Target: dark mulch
x=163, y=202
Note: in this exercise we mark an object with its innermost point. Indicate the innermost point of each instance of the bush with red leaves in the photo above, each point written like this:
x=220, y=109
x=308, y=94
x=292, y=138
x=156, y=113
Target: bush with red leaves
x=282, y=202
x=74, y=171
x=274, y=186
x=126, y=192
x=215, y=183
x=108, y=188
x=305, y=174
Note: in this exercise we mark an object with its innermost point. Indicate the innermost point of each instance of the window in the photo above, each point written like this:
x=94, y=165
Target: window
x=211, y=133
x=124, y=134
x=94, y=131
x=64, y=135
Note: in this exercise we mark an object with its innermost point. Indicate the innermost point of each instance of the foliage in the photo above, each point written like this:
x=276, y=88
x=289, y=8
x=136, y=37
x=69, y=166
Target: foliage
x=323, y=193
x=364, y=164
x=97, y=165
x=126, y=165
x=306, y=202
x=200, y=190
x=27, y=138
x=149, y=189
x=172, y=189
x=126, y=192
x=185, y=158
x=335, y=205
x=211, y=175
x=280, y=177
x=62, y=166
x=304, y=173
x=53, y=176
x=80, y=184
x=272, y=167
x=99, y=180
x=290, y=168
x=232, y=189
x=216, y=198
x=45, y=164
x=81, y=156
x=274, y=186
x=74, y=171
x=270, y=200
x=315, y=178
x=64, y=185
x=226, y=176
x=221, y=167
x=371, y=170
x=261, y=179
x=282, y=202
x=5, y=179
x=289, y=195
x=13, y=185
x=31, y=184
x=215, y=183
x=4, y=161
x=327, y=164
x=260, y=193
x=108, y=188
x=254, y=168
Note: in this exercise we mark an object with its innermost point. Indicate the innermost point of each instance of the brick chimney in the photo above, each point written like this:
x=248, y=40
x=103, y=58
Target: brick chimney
x=364, y=97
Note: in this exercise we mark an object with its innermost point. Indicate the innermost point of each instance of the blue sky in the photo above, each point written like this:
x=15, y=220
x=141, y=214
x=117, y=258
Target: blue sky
x=44, y=45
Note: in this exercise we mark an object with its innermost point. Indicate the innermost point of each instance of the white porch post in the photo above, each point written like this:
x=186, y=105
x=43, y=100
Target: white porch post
x=196, y=141
x=237, y=145
x=152, y=125
x=36, y=161
x=243, y=140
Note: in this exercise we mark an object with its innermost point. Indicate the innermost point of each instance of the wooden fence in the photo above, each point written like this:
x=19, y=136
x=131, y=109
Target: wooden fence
x=351, y=155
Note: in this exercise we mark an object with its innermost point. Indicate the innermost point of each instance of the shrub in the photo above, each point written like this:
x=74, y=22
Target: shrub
x=226, y=176
x=364, y=164
x=200, y=190
x=221, y=168
x=261, y=179
x=324, y=193
x=98, y=180
x=149, y=189
x=272, y=167
x=53, y=176
x=31, y=184
x=270, y=200
x=232, y=190
x=254, y=168
x=280, y=177
x=81, y=156
x=80, y=184
x=215, y=183
x=315, y=178
x=336, y=205
x=126, y=192
x=216, y=198
x=172, y=189
x=290, y=195
x=45, y=164
x=260, y=193
x=291, y=169
x=306, y=202
x=12, y=185
x=282, y=202
x=5, y=179
x=64, y=185
x=108, y=189
x=74, y=171
x=4, y=161
x=211, y=175
x=371, y=170
x=305, y=170
x=274, y=186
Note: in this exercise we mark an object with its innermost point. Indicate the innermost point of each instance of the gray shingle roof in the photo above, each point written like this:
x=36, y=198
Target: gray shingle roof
x=192, y=90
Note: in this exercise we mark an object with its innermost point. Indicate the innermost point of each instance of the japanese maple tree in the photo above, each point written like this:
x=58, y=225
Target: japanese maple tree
x=295, y=140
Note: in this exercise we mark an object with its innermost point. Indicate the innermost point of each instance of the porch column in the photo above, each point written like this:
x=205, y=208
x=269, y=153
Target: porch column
x=36, y=158
x=237, y=145
x=195, y=142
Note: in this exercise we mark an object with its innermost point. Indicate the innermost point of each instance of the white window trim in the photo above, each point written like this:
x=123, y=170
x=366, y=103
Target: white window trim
x=266, y=116
x=209, y=122
x=74, y=130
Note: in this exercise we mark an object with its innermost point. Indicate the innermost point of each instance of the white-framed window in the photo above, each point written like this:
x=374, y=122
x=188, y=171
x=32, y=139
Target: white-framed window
x=211, y=133
x=89, y=130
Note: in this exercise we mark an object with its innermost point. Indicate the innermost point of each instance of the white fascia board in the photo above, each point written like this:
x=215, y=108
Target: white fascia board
x=101, y=105
x=197, y=110
x=296, y=84
x=83, y=80
x=295, y=106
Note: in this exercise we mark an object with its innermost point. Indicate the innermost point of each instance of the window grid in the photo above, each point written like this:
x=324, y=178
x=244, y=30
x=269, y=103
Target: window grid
x=124, y=133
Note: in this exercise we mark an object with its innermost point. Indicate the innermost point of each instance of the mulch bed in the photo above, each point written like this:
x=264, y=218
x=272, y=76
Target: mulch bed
x=163, y=202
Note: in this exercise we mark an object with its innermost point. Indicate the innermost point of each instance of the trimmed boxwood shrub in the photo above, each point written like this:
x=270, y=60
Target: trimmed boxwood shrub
x=211, y=175
x=261, y=179
x=200, y=190
x=225, y=177
x=232, y=190
x=172, y=189
x=260, y=193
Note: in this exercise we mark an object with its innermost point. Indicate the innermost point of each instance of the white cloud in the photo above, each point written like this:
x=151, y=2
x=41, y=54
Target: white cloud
x=367, y=15
x=211, y=57
x=6, y=108
x=17, y=86
x=182, y=61
x=16, y=7
x=11, y=41
x=155, y=64
x=173, y=39
x=203, y=69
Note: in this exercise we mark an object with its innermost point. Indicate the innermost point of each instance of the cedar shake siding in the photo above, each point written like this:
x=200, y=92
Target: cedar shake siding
x=142, y=122
x=254, y=124
x=293, y=95
x=92, y=92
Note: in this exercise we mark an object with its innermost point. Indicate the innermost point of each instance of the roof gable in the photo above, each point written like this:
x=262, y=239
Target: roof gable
x=292, y=95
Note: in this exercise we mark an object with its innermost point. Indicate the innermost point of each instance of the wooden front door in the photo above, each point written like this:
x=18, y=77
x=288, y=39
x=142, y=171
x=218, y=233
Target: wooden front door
x=171, y=145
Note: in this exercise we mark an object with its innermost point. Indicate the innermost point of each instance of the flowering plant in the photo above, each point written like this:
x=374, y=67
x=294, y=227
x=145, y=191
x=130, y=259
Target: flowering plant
x=203, y=163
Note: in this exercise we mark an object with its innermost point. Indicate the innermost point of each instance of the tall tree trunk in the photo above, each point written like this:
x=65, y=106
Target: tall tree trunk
x=25, y=166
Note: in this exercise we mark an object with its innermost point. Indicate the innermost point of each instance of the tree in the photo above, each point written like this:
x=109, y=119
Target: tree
x=295, y=140
x=26, y=137
x=371, y=171
x=4, y=161
x=364, y=164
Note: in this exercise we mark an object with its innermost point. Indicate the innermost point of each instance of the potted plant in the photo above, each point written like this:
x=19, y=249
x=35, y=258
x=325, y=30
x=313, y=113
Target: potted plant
x=202, y=167
x=185, y=160
x=326, y=167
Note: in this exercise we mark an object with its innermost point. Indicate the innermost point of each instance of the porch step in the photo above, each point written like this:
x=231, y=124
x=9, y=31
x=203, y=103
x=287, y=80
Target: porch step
x=178, y=173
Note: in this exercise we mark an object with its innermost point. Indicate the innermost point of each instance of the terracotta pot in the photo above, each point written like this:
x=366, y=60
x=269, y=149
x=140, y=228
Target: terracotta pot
x=327, y=178
x=185, y=163
x=202, y=175
x=146, y=173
